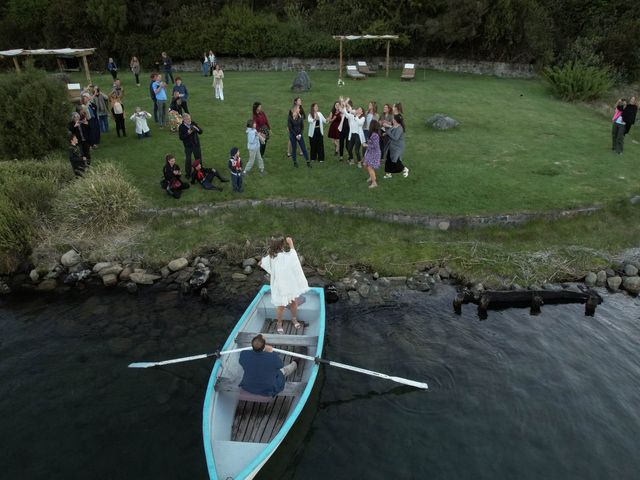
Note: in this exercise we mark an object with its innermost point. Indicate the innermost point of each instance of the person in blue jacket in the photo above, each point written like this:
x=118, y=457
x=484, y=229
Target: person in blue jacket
x=264, y=372
x=181, y=88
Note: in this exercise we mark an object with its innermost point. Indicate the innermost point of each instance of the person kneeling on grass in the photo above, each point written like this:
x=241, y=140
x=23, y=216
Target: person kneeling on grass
x=172, y=182
x=264, y=372
x=205, y=176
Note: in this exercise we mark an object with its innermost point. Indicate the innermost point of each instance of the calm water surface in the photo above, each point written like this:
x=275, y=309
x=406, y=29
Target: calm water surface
x=514, y=397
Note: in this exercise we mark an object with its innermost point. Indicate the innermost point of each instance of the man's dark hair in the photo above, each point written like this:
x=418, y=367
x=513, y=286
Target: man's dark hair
x=258, y=343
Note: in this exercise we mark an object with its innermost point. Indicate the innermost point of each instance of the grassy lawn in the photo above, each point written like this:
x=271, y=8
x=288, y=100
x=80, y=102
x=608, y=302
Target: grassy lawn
x=518, y=149
x=532, y=254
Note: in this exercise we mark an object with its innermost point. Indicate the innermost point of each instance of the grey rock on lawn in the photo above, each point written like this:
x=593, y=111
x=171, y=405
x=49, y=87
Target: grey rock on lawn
x=601, y=278
x=302, y=82
x=238, y=277
x=440, y=121
x=630, y=270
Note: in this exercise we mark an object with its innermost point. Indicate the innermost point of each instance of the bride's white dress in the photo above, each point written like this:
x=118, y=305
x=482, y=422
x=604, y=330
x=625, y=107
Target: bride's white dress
x=287, y=278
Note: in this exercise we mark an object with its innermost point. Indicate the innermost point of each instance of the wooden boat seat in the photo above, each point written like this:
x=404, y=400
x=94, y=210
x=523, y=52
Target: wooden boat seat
x=244, y=339
x=291, y=389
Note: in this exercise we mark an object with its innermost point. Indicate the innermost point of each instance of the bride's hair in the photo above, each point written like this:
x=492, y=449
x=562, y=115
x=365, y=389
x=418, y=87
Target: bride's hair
x=276, y=245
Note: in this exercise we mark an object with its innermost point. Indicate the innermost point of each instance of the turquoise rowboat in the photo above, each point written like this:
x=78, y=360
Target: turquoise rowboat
x=240, y=430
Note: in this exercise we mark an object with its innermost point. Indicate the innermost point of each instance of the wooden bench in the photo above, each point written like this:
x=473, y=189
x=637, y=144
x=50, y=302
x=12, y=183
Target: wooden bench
x=227, y=385
x=243, y=339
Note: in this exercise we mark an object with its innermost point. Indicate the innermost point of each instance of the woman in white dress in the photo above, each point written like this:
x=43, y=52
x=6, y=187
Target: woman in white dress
x=287, y=278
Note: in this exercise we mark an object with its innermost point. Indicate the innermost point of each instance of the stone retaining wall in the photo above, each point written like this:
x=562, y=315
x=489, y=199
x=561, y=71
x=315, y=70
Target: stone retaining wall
x=434, y=222
x=499, y=69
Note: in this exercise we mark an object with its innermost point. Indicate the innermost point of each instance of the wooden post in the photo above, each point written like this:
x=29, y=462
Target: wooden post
x=340, y=72
x=388, y=46
x=86, y=68
x=60, y=64
x=17, y=64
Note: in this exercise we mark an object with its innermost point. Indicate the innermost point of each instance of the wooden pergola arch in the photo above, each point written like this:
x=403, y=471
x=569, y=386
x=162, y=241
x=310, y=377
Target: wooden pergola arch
x=388, y=38
x=60, y=52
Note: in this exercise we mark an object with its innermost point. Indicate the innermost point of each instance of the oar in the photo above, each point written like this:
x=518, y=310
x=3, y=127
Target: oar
x=185, y=359
x=404, y=381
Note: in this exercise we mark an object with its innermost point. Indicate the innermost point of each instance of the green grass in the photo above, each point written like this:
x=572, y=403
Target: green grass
x=534, y=253
x=518, y=148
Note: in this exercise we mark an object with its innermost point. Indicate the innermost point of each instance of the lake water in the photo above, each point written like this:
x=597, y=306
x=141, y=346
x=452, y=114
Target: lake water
x=556, y=396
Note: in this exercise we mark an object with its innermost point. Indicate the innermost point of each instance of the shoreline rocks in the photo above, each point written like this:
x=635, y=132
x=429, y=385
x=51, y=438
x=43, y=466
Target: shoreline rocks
x=194, y=274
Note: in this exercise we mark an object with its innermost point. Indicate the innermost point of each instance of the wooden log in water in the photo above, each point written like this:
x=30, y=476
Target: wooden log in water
x=534, y=299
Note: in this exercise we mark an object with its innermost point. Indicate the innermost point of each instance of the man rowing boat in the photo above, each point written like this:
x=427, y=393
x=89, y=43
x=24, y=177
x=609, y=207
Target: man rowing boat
x=264, y=371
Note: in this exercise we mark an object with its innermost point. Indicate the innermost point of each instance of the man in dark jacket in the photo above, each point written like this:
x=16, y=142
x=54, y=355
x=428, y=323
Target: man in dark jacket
x=167, y=67
x=629, y=114
x=152, y=94
x=189, y=133
x=264, y=372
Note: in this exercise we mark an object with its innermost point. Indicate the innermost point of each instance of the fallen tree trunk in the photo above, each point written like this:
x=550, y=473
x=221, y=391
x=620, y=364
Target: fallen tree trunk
x=534, y=299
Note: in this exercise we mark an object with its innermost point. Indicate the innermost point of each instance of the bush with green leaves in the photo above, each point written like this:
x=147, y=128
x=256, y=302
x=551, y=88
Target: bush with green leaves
x=102, y=201
x=28, y=189
x=32, y=185
x=16, y=232
x=575, y=81
x=35, y=110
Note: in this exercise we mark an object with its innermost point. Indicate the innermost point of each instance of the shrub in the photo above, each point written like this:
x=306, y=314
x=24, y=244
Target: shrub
x=100, y=202
x=577, y=81
x=34, y=113
x=32, y=185
x=16, y=232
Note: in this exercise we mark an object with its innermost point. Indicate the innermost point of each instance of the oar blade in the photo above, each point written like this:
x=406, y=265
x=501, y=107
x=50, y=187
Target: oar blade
x=411, y=383
x=142, y=364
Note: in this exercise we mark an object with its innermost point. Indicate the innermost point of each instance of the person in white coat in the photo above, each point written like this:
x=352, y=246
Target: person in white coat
x=356, y=120
x=140, y=117
x=316, y=133
x=218, y=84
x=287, y=279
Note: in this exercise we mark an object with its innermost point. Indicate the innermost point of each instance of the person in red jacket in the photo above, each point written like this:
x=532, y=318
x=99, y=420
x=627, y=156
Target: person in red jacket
x=204, y=176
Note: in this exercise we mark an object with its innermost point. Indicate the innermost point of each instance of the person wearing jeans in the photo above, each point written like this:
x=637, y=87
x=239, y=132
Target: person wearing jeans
x=161, y=99
x=296, y=127
x=152, y=94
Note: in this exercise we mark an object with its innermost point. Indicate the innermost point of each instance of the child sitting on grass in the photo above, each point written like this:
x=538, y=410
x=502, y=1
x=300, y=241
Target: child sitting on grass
x=235, y=167
x=205, y=176
x=171, y=181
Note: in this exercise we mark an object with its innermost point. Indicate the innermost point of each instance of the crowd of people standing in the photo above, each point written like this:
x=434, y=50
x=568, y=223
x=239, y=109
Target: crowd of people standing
x=370, y=140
